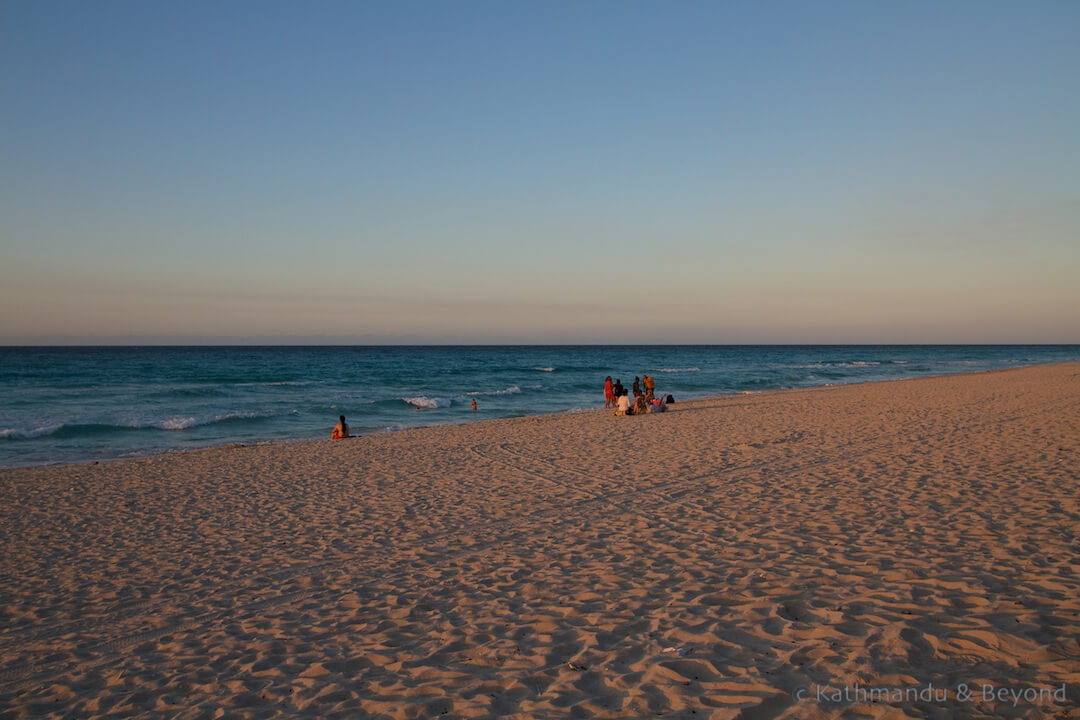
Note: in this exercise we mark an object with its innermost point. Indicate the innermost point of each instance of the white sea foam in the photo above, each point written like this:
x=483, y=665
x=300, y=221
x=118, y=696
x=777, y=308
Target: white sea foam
x=426, y=403
x=27, y=433
x=272, y=383
x=241, y=414
x=183, y=423
x=545, y=369
x=175, y=423
x=512, y=390
x=679, y=370
x=823, y=365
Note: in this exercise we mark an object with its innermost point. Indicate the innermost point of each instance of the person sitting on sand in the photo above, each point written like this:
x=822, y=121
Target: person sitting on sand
x=341, y=430
x=622, y=405
x=640, y=405
x=656, y=405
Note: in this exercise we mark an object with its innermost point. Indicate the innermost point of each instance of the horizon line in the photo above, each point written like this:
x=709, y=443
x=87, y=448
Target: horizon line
x=59, y=346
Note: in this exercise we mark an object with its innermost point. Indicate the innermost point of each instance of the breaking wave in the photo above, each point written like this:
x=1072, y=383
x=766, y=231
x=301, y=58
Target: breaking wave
x=426, y=403
x=512, y=390
x=28, y=433
x=84, y=429
x=833, y=364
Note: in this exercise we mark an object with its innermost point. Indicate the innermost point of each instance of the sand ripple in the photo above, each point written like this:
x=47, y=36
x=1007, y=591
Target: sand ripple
x=718, y=561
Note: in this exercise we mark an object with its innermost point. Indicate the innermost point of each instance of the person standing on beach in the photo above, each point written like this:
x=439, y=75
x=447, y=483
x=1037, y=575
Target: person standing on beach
x=647, y=381
x=636, y=387
x=609, y=392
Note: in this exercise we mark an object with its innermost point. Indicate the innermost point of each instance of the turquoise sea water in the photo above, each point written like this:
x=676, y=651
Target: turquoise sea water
x=74, y=404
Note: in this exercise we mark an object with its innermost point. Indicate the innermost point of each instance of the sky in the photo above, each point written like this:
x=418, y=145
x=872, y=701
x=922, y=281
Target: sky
x=539, y=172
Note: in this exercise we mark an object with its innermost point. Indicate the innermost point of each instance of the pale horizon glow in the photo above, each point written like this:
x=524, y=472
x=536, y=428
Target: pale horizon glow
x=578, y=173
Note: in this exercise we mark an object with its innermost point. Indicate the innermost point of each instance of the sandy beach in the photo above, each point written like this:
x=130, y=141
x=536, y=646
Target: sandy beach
x=758, y=556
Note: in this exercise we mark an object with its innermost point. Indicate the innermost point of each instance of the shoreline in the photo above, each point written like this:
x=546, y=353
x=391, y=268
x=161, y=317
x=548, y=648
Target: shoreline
x=377, y=433
x=722, y=560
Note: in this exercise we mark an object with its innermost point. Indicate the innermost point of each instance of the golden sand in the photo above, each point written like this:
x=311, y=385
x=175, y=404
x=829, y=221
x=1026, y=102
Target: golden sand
x=746, y=556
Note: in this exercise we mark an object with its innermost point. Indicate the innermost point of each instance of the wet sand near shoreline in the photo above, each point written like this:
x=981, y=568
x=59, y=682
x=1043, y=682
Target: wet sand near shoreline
x=744, y=556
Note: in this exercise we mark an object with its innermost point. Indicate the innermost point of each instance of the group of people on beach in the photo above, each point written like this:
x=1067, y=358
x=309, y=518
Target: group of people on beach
x=615, y=396
x=645, y=398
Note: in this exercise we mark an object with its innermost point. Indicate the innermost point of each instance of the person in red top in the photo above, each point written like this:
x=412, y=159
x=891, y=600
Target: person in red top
x=609, y=393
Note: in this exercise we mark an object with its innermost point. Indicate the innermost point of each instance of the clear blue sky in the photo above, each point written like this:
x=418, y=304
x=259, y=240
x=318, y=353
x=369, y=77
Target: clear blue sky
x=539, y=172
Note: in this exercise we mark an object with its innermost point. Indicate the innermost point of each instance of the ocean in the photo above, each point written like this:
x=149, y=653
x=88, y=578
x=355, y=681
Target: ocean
x=62, y=405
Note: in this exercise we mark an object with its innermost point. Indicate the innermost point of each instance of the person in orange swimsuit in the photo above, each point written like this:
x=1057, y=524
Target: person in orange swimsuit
x=341, y=430
x=609, y=393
